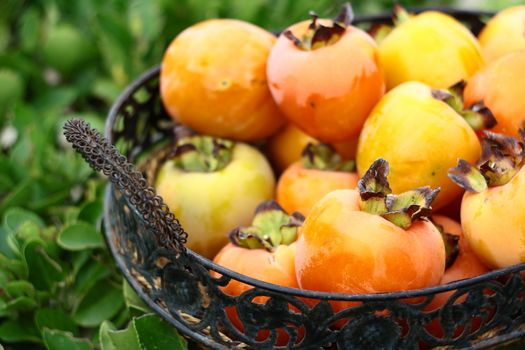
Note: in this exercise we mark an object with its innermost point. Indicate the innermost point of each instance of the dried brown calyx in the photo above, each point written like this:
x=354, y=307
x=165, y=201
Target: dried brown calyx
x=451, y=244
x=271, y=227
x=401, y=209
x=324, y=157
x=318, y=35
x=478, y=116
x=198, y=153
x=501, y=158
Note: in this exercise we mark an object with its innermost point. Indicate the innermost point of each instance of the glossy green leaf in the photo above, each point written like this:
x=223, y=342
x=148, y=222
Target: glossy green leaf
x=43, y=270
x=102, y=302
x=21, y=304
x=60, y=340
x=154, y=332
x=55, y=319
x=112, y=339
x=19, y=288
x=19, y=330
x=80, y=236
x=133, y=301
x=89, y=275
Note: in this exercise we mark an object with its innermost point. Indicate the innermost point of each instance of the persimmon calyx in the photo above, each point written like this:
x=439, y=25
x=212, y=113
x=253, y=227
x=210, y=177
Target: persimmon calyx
x=400, y=15
x=271, y=227
x=322, y=156
x=501, y=158
x=196, y=153
x=478, y=116
x=318, y=35
x=380, y=31
x=401, y=209
x=451, y=244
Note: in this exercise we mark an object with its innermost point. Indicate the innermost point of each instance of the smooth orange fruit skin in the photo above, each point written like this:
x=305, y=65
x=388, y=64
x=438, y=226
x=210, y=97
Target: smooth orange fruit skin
x=500, y=86
x=213, y=79
x=276, y=267
x=286, y=146
x=503, y=33
x=420, y=137
x=343, y=249
x=299, y=188
x=327, y=92
x=493, y=223
x=432, y=48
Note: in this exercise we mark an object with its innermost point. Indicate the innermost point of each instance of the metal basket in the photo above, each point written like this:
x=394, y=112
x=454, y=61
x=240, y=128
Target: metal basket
x=147, y=243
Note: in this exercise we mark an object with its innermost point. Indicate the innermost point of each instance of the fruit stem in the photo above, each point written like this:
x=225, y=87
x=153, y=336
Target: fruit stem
x=196, y=153
x=478, y=116
x=402, y=209
x=271, y=227
x=318, y=35
x=501, y=158
x=322, y=156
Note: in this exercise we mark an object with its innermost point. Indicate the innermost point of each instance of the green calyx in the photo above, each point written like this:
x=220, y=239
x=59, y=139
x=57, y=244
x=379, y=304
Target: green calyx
x=400, y=15
x=271, y=227
x=401, y=209
x=451, y=244
x=318, y=35
x=478, y=116
x=195, y=153
x=324, y=157
x=501, y=158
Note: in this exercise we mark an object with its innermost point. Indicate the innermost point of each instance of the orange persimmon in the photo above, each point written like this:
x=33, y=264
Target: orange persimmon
x=368, y=241
x=500, y=87
x=213, y=79
x=320, y=171
x=325, y=77
x=264, y=251
x=462, y=263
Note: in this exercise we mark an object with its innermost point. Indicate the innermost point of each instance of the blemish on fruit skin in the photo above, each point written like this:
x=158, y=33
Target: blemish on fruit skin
x=312, y=104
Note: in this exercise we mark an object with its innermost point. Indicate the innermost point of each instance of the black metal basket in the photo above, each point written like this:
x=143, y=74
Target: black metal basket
x=148, y=245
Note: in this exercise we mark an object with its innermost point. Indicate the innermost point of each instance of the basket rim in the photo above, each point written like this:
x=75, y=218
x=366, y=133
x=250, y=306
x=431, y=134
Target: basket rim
x=154, y=71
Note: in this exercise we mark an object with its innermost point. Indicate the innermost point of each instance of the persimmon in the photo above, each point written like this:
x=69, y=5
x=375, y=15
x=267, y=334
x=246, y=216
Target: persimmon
x=325, y=77
x=369, y=240
x=500, y=87
x=286, y=147
x=213, y=79
x=213, y=185
x=503, y=33
x=320, y=171
x=421, y=136
x=264, y=251
x=431, y=47
x=493, y=206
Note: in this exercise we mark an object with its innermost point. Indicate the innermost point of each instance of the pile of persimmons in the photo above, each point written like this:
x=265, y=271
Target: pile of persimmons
x=333, y=159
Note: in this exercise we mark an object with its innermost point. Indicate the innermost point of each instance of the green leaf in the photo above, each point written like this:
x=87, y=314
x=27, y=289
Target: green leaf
x=43, y=270
x=21, y=304
x=19, y=288
x=91, y=213
x=102, y=302
x=154, y=332
x=111, y=339
x=60, y=340
x=16, y=266
x=133, y=301
x=55, y=319
x=19, y=330
x=88, y=276
x=29, y=29
x=19, y=195
x=80, y=236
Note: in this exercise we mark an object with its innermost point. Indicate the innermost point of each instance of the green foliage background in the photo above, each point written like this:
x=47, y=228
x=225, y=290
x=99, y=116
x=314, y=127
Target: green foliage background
x=60, y=59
